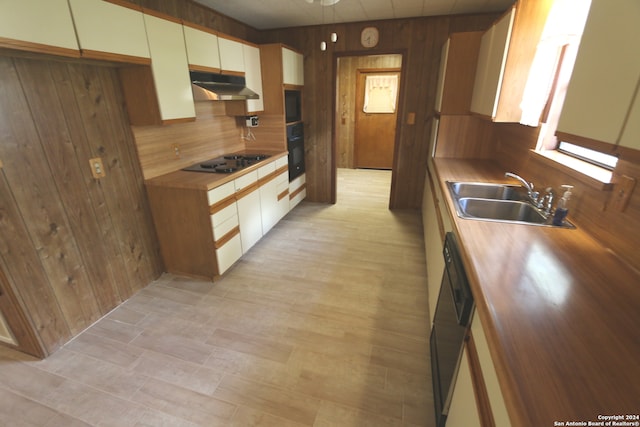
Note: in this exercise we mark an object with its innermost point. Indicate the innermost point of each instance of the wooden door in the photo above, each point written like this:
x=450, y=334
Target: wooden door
x=375, y=128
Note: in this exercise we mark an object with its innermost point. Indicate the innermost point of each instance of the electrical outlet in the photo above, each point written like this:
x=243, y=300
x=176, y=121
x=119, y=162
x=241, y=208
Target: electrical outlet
x=97, y=168
x=176, y=150
x=622, y=192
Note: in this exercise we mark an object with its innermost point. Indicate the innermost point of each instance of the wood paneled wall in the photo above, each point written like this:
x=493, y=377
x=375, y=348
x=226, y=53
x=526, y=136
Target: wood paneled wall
x=346, y=100
x=72, y=247
x=420, y=41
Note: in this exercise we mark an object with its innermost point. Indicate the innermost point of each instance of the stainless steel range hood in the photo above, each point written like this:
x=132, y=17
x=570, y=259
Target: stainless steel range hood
x=220, y=87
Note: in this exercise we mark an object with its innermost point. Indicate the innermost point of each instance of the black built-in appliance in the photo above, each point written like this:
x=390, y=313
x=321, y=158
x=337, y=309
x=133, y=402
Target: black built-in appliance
x=449, y=330
x=295, y=146
x=293, y=105
x=228, y=163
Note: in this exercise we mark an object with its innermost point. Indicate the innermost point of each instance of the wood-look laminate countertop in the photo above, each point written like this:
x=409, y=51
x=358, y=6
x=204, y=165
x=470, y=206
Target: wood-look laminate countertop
x=561, y=313
x=207, y=181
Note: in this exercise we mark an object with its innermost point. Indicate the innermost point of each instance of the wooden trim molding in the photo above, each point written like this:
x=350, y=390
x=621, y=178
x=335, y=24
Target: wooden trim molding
x=161, y=15
x=38, y=47
x=273, y=175
x=180, y=120
x=297, y=191
x=115, y=57
x=220, y=205
x=283, y=194
x=200, y=27
x=202, y=68
x=247, y=190
x=479, y=387
x=233, y=73
x=224, y=239
x=126, y=4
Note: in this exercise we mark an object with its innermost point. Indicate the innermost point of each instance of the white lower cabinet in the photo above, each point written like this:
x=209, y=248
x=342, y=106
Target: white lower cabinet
x=496, y=399
x=297, y=191
x=463, y=411
x=249, y=211
x=274, y=191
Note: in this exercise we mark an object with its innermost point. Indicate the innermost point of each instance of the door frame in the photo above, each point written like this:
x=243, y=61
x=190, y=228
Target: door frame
x=401, y=97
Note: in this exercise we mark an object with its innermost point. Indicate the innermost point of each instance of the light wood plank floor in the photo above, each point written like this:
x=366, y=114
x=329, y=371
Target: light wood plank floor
x=323, y=323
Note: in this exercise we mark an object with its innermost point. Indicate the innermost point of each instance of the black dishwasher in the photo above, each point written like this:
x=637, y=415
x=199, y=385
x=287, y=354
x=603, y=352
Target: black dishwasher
x=449, y=329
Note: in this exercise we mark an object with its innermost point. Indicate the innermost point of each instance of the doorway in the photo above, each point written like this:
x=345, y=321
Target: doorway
x=348, y=69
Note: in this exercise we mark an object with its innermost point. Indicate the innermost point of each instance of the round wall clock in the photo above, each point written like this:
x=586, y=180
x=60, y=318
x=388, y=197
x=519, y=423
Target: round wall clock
x=369, y=37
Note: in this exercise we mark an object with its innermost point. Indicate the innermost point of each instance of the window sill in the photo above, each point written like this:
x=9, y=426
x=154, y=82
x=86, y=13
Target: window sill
x=587, y=173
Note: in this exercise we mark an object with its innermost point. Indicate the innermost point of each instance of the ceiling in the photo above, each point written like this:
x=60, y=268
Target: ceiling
x=270, y=14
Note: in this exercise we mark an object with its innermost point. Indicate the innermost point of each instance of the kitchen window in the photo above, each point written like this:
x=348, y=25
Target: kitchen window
x=546, y=90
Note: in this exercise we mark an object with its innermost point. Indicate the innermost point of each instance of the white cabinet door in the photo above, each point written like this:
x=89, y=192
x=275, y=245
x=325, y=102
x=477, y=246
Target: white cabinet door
x=170, y=68
x=202, y=49
x=107, y=27
x=605, y=73
x=496, y=399
x=444, y=53
x=631, y=134
x=491, y=63
x=292, y=67
x=231, y=55
x=229, y=253
x=249, y=213
x=463, y=411
x=253, y=76
x=433, y=245
x=36, y=25
x=268, y=196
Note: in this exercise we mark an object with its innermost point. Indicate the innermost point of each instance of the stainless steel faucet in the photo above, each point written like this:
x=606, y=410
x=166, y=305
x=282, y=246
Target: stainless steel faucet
x=533, y=195
x=547, y=201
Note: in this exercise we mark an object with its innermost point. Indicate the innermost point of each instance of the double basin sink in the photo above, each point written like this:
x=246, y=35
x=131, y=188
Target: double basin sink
x=498, y=202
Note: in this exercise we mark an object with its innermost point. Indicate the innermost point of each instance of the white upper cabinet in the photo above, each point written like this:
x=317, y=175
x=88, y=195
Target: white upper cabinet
x=170, y=68
x=292, y=67
x=605, y=75
x=38, y=25
x=202, y=48
x=231, y=56
x=631, y=134
x=444, y=54
x=492, y=60
x=104, y=27
x=253, y=76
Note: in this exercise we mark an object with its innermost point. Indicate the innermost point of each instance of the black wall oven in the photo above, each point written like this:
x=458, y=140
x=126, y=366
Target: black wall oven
x=295, y=146
x=449, y=330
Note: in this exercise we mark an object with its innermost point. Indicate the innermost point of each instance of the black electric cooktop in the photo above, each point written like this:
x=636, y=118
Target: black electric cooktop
x=228, y=163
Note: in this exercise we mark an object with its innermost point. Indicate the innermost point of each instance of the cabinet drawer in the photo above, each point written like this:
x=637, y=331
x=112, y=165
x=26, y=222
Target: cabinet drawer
x=216, y=194
x=224, y=221
x=282, y=182
x=223, y=227
x=265, y=170
x=282, y=161
x=229, y=253
x=246, y=180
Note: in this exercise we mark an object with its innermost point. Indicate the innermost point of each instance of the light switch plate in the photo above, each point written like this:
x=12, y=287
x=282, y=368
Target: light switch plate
x=622, y=192
x=97, y=168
